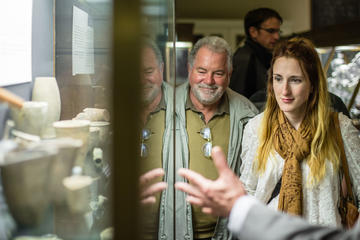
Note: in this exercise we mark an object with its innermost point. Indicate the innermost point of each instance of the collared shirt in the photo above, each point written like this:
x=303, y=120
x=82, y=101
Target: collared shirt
x=160, y=106
x=222, y=108
x=155, y=124
x=219, y=125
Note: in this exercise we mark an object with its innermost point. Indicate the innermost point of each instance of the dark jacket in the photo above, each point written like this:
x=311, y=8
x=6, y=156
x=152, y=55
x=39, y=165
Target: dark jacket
x=250, y=65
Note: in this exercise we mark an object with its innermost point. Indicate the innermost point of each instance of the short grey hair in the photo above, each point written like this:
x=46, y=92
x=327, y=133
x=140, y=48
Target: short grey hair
x=214, y=44
x=147, y=42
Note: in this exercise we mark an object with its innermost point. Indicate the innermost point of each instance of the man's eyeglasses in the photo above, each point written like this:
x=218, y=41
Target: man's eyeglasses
x=205, y=133
x=271, y=30
x=144, y=149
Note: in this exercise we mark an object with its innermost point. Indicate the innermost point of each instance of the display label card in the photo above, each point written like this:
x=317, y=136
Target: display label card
x=82, y=43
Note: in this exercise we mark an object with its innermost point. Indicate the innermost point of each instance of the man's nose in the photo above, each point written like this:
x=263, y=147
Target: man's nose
x=276, y=35
x=209, y=79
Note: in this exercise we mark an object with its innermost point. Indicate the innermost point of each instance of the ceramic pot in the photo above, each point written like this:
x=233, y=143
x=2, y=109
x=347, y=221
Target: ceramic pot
x=78, y=193
x=77, y=129
x=31, y=118
x=25, y=178
x=68, y=150
x=46, y=89
x=94, y=114
x=94, y=138
x=104, y=128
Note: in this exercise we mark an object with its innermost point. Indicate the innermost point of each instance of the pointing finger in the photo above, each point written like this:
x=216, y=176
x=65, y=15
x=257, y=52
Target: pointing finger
x=188, y=188
x=195, y=201
x=194, y=178
x=150, y=175
x=207, y=210
x=220, y=162
x=151, y=190
x=148, y=200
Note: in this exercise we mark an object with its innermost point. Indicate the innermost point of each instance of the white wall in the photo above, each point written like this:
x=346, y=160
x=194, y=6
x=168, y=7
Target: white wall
x=295, y=13
x=229, y=28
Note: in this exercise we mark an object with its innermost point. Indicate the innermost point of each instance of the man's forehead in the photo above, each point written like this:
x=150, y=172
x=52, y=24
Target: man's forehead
x=148, y=57
x=147, y=52
x=271, y=22
x=205, y=52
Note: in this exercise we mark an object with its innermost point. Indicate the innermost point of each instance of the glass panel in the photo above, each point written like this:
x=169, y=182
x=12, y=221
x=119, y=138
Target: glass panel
x=56, y=149
x=83, y=71
x=156, y=135
x=58, y=161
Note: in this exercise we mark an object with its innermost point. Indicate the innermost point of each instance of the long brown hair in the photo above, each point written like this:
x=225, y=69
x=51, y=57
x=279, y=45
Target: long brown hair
x=323, y=145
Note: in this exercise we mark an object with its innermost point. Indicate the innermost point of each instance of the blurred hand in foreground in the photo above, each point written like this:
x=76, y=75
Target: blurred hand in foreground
x=215, y=197
x=147, y=186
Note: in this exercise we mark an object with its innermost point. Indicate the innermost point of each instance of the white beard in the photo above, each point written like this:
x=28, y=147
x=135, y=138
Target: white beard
x=207, y=94
x=150, y=92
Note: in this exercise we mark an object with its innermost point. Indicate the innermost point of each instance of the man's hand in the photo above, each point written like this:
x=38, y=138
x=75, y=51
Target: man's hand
x=148, y=190
x=215, y=197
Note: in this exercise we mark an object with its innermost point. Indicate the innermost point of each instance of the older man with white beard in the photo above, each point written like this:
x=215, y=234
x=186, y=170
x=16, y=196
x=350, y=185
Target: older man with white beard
x=152, y=68
x=208, y=113
x=156, y=130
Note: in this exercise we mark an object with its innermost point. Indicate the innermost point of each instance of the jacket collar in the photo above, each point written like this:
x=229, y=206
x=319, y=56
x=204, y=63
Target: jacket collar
x=262, y=53
x=234, y=102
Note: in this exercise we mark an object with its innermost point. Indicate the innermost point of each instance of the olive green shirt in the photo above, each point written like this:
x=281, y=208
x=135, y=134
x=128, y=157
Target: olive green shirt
x=153, y=145
x=219, y=124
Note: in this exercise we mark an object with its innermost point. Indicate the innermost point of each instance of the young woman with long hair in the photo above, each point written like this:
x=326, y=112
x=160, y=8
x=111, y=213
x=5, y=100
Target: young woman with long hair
x=292, y=145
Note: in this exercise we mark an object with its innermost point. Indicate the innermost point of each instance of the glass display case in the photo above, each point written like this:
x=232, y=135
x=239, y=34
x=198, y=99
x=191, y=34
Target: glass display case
x=61, y=176
x=97, y=114
x=342, y=68
x=56, y=149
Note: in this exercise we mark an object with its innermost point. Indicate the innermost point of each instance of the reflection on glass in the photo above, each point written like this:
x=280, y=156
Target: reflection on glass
x=145, y=135
x=182, y=54
x=153, y=127
x=156, y=140
x=57, y=181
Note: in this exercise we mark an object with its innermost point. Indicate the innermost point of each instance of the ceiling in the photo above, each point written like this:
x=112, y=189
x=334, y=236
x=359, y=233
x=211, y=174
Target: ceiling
x=232, y=9
x=295, y=13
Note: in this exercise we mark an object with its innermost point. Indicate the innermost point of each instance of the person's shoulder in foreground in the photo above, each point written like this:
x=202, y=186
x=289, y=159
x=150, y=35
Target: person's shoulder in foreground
x=250, y=219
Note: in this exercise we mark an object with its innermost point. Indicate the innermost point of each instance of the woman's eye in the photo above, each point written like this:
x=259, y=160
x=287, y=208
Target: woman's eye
x=296, y=80
x=277, y=78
